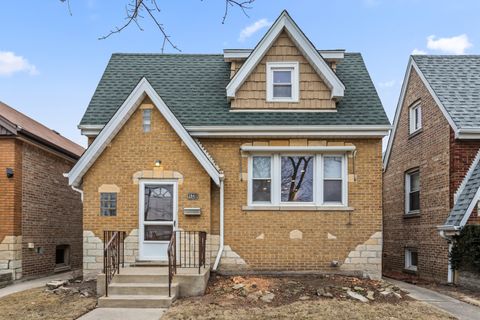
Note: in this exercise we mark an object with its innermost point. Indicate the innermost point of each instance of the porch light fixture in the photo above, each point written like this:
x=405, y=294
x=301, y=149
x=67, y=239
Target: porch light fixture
x=9, y=173
x=157, y=163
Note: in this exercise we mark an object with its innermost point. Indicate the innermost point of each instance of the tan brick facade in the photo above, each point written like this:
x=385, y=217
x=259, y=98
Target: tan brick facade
x=314, y=93
x=260, y=240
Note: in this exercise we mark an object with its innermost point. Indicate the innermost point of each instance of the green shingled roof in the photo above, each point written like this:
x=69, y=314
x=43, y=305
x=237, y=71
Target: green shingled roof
x=193, y=86
x=456, y=82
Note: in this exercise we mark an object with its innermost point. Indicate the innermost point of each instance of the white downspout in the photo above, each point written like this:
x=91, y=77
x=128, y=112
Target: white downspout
x=450, y=245
x=220, y=248
x=74, y=188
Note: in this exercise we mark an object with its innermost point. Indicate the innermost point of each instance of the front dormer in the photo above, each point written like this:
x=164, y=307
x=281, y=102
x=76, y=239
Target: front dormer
x=283, y=72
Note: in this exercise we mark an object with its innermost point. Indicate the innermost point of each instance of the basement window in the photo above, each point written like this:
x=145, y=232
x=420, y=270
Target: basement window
x=62, y=256
x=282, y=81
x=411, y=259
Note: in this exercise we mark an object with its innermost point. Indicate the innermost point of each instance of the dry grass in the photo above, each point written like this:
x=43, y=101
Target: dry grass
x=315, y=309
x=36, y=304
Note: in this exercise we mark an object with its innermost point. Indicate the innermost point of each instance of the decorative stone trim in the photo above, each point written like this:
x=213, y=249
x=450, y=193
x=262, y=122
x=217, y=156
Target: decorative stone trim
x=366, y=257
x=157, y=173
x=230, y=259
x=93, y=252
x=112, y=188
x=11, y=256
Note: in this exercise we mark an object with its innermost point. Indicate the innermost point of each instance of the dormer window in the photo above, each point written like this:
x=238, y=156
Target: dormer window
x=282, y=81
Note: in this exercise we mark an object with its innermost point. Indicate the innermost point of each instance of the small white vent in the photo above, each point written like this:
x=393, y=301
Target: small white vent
x=191, y=211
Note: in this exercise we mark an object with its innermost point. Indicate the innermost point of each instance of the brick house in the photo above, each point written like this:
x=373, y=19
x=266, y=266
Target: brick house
x=275, y=152
x=40, y=215
x=430, y=182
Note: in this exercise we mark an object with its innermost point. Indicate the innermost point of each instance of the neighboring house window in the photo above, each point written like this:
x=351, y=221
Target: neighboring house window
x=286, y=179
x=411, y=259
x=415, y=118
x=282, y=81
x=147, y=115
x=108, y=204
x=412, y=192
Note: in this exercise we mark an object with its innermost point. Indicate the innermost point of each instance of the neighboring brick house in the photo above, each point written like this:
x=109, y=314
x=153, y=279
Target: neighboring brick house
x=430, y=187
x=40, y=214
x=277, y=149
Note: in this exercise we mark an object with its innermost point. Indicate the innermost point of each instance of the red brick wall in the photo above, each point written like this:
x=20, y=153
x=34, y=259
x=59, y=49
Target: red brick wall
x=10, y=188
x=52, y=211
x=462, y=154
x=429, y=151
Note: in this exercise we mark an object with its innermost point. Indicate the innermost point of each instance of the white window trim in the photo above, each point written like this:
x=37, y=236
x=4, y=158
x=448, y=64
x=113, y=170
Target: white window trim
x=317, y=182
x=408, y=259
x=412, y=117
x=408, y=175
x=295, y=80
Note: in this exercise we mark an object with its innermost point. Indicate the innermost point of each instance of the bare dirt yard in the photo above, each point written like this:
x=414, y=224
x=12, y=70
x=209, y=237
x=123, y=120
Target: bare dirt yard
x=68, y=302
x=301, y=297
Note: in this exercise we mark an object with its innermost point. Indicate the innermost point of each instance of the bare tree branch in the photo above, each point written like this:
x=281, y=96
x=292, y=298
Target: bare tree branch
x=243, y=5
x=134, y=8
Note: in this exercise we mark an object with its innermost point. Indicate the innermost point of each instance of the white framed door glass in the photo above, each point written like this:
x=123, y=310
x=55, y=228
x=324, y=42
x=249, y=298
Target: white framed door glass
x=158, y=206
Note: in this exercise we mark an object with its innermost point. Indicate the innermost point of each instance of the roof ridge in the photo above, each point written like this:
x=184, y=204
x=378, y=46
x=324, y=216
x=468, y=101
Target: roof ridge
x=467, y=176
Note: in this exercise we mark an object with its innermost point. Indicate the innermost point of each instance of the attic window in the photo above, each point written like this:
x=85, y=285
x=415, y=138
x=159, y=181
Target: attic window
x=147, y=120
x=282, y=81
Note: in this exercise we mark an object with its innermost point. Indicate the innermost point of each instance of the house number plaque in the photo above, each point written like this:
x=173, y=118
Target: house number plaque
x=192, y=196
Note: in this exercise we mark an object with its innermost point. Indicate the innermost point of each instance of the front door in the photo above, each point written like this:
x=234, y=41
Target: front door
x=158, y=215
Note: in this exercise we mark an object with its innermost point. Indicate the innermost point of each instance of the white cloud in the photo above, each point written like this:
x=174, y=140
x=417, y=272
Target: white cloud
x=250, y=30
x=11, y=63
x=453, y=45
x=387, y=84
x=418, y=51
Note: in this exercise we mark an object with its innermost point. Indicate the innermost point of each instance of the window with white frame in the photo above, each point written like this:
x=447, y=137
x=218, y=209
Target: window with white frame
x=412, y=192
x=415, y=118
x=297, y=179
x=282, y=81
x=411, y=259
x=147, y=119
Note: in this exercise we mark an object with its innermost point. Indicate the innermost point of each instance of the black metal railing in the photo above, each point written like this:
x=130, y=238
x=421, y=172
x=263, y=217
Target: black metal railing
x=113, y=255
x=186, y=249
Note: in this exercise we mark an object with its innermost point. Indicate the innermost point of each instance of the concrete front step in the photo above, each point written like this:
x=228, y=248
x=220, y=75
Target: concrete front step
x=140, y=278
x=142, y=289
x=135, y=301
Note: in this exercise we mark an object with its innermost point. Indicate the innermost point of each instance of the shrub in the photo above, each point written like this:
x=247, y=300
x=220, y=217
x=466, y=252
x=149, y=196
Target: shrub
x=465, y=253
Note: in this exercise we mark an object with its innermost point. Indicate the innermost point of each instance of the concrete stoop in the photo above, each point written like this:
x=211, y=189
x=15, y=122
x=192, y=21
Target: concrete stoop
x=147, y=287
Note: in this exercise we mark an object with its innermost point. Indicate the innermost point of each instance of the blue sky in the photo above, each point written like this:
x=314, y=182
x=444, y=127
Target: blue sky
x=51, y=62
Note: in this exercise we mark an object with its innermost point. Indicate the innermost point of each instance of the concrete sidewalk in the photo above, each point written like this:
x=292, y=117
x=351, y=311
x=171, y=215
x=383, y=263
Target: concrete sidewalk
x=457, y=308
x=20, y=285
x=123, y=314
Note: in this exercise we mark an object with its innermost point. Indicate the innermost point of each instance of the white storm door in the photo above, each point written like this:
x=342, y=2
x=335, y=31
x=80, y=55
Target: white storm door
x=157, y=218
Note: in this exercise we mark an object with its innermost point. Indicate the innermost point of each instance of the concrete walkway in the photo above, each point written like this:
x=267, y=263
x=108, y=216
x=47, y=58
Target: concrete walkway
x=20, y=285
x=457, y=308
x=123, y=314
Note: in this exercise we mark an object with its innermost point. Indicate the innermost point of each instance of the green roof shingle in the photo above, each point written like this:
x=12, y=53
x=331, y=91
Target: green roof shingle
x=193, y=86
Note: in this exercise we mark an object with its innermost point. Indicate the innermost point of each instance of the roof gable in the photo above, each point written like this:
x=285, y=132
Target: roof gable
x=286, y=23
x=122, y=115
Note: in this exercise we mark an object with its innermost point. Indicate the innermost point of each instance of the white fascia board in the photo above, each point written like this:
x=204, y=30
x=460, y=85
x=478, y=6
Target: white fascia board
x=122, y=115
x=468, y=133
x=470, y=171
x=238, y=54
x=312, y=55
x=297, y=148
x=290, y=131
x=472, y=206
x=412, y=65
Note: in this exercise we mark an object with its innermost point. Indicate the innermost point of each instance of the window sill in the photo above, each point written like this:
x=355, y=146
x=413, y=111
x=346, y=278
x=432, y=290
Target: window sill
x=410, y=271
x=413, y=214
x=297, y=208
x=414, y=134
x=62, y=268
